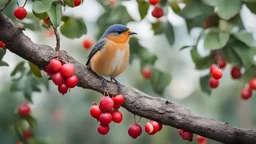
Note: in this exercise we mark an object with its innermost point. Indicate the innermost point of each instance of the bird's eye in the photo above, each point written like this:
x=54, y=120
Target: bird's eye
x=119, y=32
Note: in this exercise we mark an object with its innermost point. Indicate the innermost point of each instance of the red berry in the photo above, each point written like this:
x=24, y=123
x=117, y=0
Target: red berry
x=95, y=111
x=116, y=107
x=200, y=139
x=67, y=70
x=112, y=2
x=160, y=126
x=157, y=12
x=20, y=13
x=46, y=21
x=236, y=72
x=57, y=78
x=105, y=118
x=55, y=65
x=63, y=88
x=134, y=130
x=117, y=116
x=217, y=74
x=213, y=83
x=213, y=67
x=252, y=83
x=156, y=127
x=149, y=128
x=27, y=134
x=222, y=63
x=48, y=70
x=106, y=104
x=154, y=2
x=2, y=44
x=19, y=142
x=186, y=135
x=77, y=2
x=118, y=99
x=24, y=110
x=87, y=44
x=146, y=72
x=103, y=129
x=246, y=93
x=72, y=81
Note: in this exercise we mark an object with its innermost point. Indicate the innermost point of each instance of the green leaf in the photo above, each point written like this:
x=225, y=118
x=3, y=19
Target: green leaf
x=41, y=15
x=35, y=70
x=19, y=68
x=251, y=6
x=73, y=27
x=2, y=53
x=159, y=80
x=175, y=7
x=200, y=62
x=41, y=6
x=143, y=8
x=204, y=83
x=3, y=63
x=70, y=3
x=31, y=120
x=169, y=33
x=231, y=56
x=146, y=57
x=165, y=28
x=185, y=47
x=245, y=53
x=215, y=39
x=55, y=13
x=163, y=2
x=227, y=9
x=245, y=37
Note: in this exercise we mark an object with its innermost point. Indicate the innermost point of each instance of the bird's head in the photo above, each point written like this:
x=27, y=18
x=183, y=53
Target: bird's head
x=118, y=33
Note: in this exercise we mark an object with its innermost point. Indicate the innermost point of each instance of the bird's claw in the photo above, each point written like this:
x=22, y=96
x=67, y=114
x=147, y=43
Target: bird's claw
x=103, y=83
x=117, y=84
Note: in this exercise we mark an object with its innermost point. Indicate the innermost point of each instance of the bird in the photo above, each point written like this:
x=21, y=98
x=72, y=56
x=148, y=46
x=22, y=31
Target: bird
x=110, y=55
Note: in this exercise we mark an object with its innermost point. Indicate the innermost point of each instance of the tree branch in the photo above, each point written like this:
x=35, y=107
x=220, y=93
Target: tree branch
x=137, y=102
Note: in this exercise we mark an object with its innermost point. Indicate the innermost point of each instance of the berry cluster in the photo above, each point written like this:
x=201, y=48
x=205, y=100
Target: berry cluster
x=62, y=75
x=107, y=111
x=246, y=92
x=201, y=139
x=216, y=75
x=146, y=72
x=2, y=44
x=20, y=13
x=153, y=127
x=24, y=110
x=157, y=12
x=185, y=135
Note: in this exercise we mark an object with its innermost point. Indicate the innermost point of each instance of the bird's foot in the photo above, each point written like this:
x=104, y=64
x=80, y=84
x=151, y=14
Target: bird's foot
x=117, y=84
x=103, y=80
x=103, y=83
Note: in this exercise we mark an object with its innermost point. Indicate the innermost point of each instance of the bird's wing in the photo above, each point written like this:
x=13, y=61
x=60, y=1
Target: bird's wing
x=99, y=45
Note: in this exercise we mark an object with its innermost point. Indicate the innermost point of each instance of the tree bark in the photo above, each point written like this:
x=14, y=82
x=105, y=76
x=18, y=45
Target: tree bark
x=137, y=102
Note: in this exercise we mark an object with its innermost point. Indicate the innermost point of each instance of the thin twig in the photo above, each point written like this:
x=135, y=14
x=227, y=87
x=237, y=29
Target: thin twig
x=25, y=3
x=5, y=5
x=57, y=39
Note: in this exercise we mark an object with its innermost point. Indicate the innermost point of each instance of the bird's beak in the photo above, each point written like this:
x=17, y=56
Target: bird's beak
x=131, y=33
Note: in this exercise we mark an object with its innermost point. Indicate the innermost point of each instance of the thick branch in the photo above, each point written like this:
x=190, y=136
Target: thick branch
x=136, y=102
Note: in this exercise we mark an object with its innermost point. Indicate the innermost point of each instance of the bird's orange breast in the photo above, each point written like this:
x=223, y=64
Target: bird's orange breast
x=111, y=60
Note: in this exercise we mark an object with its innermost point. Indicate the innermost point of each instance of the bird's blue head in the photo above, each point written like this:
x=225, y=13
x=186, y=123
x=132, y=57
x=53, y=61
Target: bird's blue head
x=118, y=33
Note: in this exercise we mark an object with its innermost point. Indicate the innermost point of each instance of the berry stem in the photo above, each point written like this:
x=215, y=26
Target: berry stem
x=134, y=117
x=25, y=3
x=57, y=49
x=5, y=5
